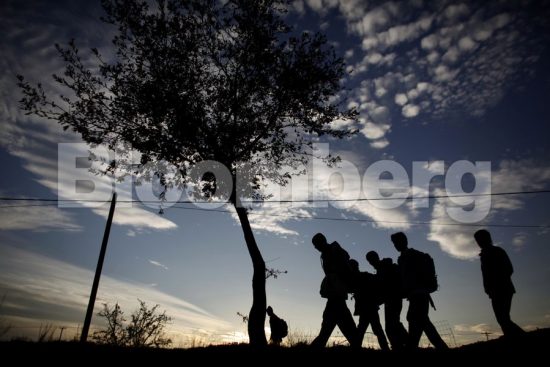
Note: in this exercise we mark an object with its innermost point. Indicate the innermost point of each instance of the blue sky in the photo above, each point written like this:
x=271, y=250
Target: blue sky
x=433, y=81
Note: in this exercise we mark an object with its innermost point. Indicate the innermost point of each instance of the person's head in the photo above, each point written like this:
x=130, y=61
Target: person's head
x=373, y=258
x=399, y=240
x=483, y=238
x=269, y=311
x=354, y=265
x=319, y=241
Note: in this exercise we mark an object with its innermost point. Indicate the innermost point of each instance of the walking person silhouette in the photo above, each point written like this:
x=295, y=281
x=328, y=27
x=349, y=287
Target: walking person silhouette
x=278, y=326
x=497, y=269
x=412, y=264
x=335, y=288
x=389, y=278
x=366, y=292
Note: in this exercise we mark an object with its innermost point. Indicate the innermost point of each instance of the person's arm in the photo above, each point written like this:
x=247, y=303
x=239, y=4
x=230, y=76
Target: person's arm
x=507, y=267
x=485, y=276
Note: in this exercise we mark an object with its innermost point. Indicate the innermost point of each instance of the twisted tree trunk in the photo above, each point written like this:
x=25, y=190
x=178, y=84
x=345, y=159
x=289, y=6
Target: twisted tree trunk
x=256, y=317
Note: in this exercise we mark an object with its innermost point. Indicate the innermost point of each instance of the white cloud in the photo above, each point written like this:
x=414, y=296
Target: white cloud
x=500, y=20
x=457, y=241
x=410, y=110
x=476, y=328
x=468, y=58
x=423, y=87
x=401, y=99
x=456, y=10
x=429, y=42
x=375, y=19
x=519, y=240
x=443, y=73
x=401, y=33
x=518, y=175
x=322, y=6
x=452, y=55
x=341, y=124
x=352, y=9
x=37, y=219
x=413, y=94
x=373, y=58
x=433, y=57
x=316, y=5
x=384, y=218
x=466, y=44
x=272, y=219
x=369, y=43
x=482, y=34
x=374, y=131
x=35, y=140
x=49, y=289
x=510, y=175
x=156, y=263
x=380, y=114
x=380, y=143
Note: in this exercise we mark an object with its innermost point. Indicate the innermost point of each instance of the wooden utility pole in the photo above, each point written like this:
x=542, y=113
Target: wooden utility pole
x=95, y=286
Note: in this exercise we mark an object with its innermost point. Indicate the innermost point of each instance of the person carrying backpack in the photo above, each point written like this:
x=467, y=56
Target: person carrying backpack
x=419, y=280
x=278, y=326
x=389, y=278
x=335, y=288
x=366, y=292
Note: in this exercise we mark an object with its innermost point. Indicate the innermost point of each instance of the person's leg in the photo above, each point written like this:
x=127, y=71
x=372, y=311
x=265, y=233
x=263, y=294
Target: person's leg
x=391, y=325
x=433, y=336
x=416, y=322
x=396, y=332
x=402, y=333
x=328, y=324
x=362, y=328
x=378, y=331
x=346, y=324
x=502, y=305
x=515, y=328
x=425, y=324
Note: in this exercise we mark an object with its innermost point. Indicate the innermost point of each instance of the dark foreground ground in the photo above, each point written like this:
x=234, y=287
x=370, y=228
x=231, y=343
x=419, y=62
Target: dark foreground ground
x=533, y=347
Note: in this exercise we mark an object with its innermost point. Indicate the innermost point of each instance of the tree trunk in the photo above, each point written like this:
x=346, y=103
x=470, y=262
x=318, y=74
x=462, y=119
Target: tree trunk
x=256, y=317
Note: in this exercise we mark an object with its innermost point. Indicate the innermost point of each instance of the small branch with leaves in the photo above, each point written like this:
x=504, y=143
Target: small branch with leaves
x=272, y=272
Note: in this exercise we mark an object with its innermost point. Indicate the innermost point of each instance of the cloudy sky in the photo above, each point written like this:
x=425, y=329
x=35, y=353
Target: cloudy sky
x=434, y=81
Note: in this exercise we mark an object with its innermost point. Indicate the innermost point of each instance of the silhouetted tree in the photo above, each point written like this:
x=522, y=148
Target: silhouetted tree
x=114, y=333
x=204, y=80
x=145, y=328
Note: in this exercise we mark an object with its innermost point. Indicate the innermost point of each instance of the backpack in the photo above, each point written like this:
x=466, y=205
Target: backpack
x=279, y=328
x=336, y=266
x=425, y=268
x=284, y=328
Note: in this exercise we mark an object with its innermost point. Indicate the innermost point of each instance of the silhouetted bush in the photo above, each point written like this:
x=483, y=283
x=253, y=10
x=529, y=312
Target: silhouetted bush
x=145, y=328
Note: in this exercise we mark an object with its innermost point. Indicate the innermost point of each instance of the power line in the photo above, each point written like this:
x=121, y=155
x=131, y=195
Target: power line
x=290, y=201
x=27, y=205
x=52, y=202
x=56, y=200
x=372, y=220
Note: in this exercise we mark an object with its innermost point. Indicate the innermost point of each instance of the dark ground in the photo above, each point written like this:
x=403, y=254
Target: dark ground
x=533, y=347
